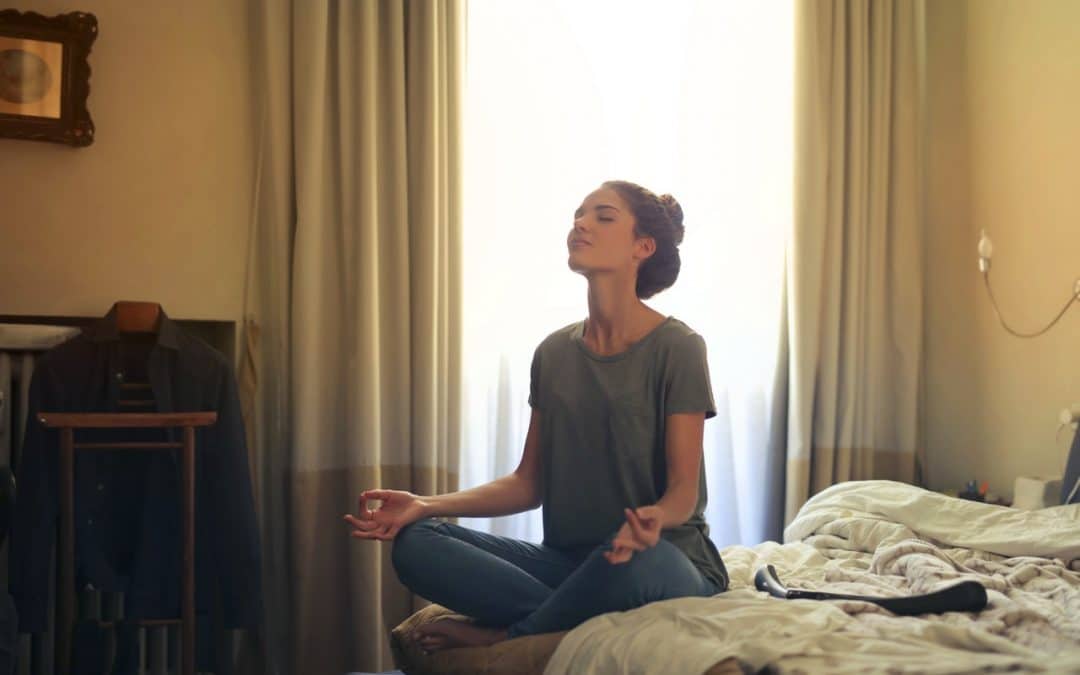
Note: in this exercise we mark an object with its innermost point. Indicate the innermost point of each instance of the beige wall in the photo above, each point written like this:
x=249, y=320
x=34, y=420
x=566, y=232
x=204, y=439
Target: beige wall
x=1003, y=81
x=158, y=207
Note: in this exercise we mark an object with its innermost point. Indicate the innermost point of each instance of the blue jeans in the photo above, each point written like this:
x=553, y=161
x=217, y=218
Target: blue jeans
x=531, y=588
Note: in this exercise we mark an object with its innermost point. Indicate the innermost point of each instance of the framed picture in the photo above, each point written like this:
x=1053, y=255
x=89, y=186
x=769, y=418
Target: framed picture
x=45, y=76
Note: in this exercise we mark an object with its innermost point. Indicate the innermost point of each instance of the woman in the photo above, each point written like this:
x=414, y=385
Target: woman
x=613, y=454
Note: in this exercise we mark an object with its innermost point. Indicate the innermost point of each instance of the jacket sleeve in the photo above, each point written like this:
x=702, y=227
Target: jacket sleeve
x=34, y=527
x=235, y=536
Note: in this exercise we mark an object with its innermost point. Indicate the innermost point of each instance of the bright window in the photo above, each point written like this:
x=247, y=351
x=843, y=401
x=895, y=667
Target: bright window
x=691, y=97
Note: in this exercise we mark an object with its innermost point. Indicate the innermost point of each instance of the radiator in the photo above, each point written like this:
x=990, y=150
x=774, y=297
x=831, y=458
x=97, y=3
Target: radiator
x=15, y=370
x=20, y=346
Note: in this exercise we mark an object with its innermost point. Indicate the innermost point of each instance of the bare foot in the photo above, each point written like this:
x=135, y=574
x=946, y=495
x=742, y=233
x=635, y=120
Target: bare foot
x=450, y=633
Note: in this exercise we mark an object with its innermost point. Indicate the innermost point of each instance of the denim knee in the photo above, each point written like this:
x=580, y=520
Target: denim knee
x=659, y=572
x=409, y=546
x=626, y=582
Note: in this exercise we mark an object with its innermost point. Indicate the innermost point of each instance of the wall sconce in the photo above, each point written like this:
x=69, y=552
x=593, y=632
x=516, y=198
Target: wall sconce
x=986, y=250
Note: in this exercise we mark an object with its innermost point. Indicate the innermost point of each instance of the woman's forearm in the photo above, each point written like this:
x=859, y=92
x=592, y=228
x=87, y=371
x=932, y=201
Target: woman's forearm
x=678, y=503
x=510, y=494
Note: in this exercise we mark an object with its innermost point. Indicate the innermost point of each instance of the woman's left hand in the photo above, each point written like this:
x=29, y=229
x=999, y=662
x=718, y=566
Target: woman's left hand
x=640, y=531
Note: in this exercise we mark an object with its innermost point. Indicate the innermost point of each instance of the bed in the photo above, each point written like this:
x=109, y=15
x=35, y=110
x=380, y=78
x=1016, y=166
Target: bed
x=875, y=538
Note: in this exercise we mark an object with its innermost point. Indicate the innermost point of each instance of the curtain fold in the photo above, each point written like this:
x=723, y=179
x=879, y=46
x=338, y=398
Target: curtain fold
x=354, y=295
x=855, y=268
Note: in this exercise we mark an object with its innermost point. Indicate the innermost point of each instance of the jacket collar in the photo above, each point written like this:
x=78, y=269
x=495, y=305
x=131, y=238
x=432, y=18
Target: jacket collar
x=105, y=330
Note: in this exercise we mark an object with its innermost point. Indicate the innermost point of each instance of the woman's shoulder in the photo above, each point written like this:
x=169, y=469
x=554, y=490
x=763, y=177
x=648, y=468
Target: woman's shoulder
x=675, y=341
x=676, y=330
x=562, y=337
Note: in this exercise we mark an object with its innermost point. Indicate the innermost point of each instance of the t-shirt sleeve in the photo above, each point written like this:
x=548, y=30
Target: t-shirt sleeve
x=534, y=381
x=687, y=386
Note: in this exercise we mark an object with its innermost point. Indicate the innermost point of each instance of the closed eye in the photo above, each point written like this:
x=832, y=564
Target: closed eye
x=602, y=209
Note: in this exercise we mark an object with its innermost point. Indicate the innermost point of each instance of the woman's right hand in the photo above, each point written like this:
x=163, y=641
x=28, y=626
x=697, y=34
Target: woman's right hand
x=398, y=509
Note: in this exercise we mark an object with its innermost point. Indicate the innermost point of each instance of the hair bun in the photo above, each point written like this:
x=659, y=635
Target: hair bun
x=674, y=212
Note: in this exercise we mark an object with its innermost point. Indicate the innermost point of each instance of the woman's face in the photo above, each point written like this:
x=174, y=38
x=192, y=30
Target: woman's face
x=603, y=238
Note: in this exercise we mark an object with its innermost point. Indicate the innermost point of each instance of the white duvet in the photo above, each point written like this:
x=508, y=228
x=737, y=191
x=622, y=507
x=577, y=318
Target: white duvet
x=870, y=538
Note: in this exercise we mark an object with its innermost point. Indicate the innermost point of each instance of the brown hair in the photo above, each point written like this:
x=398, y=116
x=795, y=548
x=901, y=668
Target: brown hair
x=659, y=217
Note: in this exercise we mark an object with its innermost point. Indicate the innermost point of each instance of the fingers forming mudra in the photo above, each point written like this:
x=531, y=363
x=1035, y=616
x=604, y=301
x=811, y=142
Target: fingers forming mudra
x=640, y=532
x=396, y=510
x=367, y=529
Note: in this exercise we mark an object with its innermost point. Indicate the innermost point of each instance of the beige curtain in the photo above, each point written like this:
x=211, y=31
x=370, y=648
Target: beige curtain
x=855, y=264
x=353, y=304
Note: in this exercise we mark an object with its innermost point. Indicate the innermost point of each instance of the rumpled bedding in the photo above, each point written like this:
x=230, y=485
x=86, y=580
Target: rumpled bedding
x=877, y=538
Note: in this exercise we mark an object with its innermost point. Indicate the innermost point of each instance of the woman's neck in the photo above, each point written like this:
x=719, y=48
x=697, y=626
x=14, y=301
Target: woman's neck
x=617, y=317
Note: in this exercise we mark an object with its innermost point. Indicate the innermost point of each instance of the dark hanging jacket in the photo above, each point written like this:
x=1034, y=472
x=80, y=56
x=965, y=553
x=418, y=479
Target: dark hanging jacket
x=127, y=505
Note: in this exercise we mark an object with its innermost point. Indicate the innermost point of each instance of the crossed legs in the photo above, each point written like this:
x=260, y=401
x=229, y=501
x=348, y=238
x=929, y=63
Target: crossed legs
x=514, y=588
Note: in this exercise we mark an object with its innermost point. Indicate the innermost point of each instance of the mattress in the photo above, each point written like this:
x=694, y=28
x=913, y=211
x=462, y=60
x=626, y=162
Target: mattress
x=875, y=538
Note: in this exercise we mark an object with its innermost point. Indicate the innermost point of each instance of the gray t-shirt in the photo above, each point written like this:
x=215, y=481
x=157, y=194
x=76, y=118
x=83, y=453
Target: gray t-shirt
x=603, y=424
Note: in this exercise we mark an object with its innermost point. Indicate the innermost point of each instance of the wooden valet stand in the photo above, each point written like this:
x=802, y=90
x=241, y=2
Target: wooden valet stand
x=67, y=423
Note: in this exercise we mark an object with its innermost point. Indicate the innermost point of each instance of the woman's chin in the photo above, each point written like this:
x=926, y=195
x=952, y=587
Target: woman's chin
x=578, y=261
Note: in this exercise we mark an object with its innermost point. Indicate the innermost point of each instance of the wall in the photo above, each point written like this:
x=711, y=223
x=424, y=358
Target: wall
x=1003, y=139
x=158, y=207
